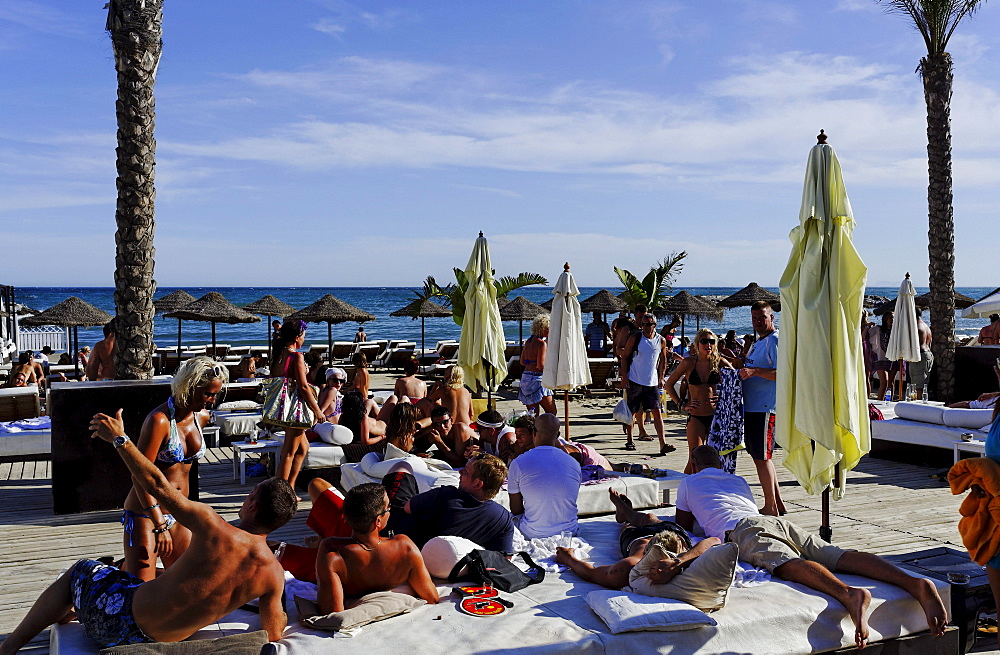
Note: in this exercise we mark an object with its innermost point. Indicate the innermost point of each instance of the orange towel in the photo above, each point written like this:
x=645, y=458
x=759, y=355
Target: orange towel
x=980, y=522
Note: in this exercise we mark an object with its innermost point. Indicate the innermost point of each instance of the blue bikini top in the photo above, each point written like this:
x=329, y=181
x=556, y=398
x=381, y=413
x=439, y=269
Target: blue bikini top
x=173, y=451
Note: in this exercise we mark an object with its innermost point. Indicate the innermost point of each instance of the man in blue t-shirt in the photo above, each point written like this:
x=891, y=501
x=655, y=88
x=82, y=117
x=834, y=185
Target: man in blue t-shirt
x=759, y=390
x=467, y=510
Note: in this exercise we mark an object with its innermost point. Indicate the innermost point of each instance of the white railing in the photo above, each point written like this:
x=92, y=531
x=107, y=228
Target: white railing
x=34, y=338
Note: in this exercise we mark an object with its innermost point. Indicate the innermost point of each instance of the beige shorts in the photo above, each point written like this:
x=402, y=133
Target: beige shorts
x=769, y=541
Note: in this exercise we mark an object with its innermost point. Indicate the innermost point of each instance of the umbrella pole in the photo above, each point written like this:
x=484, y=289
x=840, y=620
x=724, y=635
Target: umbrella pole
x=215, y=349
x=901, y=380
x=75, y=347
x=178, y=343
x=825, y=530
x=520, y=332
x=267, y=334
x=566, y=412
x=329, y=342
x=422, y=347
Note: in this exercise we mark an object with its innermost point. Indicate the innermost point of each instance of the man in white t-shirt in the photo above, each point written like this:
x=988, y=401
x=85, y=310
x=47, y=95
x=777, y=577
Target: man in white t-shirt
x=544, y=483
x=724, y=506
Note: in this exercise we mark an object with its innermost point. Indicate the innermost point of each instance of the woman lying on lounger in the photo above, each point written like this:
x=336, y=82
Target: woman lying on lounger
x=172, y=439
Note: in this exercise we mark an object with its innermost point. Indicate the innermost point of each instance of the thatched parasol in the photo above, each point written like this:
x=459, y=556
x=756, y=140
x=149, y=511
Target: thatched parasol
x=331, y=310
x=172, y=302
x=685, y=304
x=923, y=301
x=421, y=308
x=750, y=294
x=269, y=306
x=213, y=308
x=521, y=309
x=74, y=313
x=604, y=302
x=24, y=310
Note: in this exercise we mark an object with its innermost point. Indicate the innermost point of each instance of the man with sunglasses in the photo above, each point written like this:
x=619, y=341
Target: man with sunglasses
x=644, y=365
x=759, y=392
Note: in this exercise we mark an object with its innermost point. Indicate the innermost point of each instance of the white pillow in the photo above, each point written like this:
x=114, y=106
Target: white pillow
x=625, y=612
x=441, y=554
x=338, y=435
x=238, y=405
x=920, y=412
x=956, y=417
x=704, y=583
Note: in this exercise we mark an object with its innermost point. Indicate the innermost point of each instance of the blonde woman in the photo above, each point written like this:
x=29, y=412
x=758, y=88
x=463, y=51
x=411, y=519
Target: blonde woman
x=531, y=391
x=453, y=395
x=172, y=439
x=701, y=369
x=362, y=378
x=289, y=363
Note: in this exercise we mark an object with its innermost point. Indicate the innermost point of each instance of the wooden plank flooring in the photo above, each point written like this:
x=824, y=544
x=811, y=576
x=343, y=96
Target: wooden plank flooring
x=889, y=508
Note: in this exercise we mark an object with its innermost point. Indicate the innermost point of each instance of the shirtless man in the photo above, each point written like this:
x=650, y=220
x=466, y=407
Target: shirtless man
x=102, y=361
x=350, y=567
x=444, y=433
x=25, y=367
x=988, y=335
x=199, y=589
x=16, y=380
x=920, y=370
x=414, y=388
x=637, y=529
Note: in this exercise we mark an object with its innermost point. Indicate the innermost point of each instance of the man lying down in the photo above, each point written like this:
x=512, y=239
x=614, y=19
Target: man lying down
x=655, y=552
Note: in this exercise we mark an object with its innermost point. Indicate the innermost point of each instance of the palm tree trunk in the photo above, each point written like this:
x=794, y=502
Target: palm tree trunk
x=136, y=32
x=937, y=74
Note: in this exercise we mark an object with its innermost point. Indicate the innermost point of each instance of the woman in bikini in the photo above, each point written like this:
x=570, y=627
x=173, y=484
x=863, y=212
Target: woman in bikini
x=289, y=363
x=451, y=393
x=701, y=368
x=171, y=438
x=531, y=391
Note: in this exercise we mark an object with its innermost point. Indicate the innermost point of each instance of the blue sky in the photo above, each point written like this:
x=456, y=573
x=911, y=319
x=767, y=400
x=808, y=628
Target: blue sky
x=327, y=143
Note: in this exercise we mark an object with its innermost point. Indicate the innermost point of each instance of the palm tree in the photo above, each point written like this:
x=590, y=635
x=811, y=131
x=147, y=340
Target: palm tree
x=936, y=20
x=652, y=289
x=136, y=32
x=453, y=293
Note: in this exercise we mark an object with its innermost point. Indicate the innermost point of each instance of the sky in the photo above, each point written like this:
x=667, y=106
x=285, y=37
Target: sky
x=329, y=143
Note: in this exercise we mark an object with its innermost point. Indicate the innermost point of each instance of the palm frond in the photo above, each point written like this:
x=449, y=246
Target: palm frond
x=506, y=283
x=936, y=20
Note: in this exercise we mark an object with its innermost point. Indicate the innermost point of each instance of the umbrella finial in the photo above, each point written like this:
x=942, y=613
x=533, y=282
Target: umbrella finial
x=821, y=137
x=566, y=266
x=480, y=234
x=907, y=276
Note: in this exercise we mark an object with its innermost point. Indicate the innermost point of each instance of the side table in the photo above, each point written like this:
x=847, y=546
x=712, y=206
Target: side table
x=242, y=449
x=666, y=483
x=974, y=446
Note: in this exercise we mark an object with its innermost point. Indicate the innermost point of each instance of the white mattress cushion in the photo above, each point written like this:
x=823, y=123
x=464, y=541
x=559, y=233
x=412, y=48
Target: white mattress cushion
x=332, y=433
x=956, y=417
x=238, y=405
x=625, y=612
x=921, y=412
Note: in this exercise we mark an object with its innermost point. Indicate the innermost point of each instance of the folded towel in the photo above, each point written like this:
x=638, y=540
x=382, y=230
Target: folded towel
x=41, y=423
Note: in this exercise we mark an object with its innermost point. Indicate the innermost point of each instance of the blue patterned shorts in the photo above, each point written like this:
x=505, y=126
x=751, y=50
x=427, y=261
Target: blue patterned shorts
x=102, y=596
x=532, y=391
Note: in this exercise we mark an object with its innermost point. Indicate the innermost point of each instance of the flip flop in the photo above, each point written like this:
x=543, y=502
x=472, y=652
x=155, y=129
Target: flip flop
x=668, y=448
x=644, y=437
x=629, y=446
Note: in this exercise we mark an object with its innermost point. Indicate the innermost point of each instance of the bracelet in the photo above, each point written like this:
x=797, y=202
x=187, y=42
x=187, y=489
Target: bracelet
x=146, y=509
x=159, y=530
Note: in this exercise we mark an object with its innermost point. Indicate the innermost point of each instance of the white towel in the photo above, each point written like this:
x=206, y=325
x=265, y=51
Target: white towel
x=543, y=550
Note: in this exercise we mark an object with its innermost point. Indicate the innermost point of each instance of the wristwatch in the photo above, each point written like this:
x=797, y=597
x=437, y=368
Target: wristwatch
x=120, y=441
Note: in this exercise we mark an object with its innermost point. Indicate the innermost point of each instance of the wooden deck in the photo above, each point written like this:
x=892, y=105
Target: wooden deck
x=889, y=508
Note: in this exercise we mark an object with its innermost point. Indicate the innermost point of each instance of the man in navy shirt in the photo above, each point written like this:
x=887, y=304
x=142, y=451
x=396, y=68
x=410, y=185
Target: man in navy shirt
x=467, y=510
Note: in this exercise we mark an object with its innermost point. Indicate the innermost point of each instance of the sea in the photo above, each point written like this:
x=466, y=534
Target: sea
x=382, y=301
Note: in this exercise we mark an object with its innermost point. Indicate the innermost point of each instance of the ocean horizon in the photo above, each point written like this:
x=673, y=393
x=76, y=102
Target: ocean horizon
x=381, y=301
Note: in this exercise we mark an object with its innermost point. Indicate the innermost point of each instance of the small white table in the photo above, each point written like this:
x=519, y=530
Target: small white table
x=974, y=446
x=242, y=449
x=211, y=435
x=666, y=483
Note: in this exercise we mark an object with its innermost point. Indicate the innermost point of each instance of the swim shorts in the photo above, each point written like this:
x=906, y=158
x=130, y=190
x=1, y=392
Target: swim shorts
x=632, y=534
x=326, y=518
x=531, y=390
x=758, y=434
x=102, y=596
x=767, y=542
x=642, y=398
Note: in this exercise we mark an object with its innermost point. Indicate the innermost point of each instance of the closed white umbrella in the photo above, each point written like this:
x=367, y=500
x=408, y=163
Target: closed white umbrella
x=566, y=366
x=904, y=340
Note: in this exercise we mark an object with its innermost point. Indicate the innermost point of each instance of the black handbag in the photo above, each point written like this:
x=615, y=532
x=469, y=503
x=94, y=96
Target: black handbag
x=494, y=567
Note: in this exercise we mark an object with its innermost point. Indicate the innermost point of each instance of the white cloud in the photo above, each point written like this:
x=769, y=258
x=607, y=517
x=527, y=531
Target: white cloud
x=329, y=26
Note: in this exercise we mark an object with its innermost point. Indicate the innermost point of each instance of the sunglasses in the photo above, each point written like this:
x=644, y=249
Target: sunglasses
x=212, y=373
x=649, y=322
x=706, y=341
x=337, y=381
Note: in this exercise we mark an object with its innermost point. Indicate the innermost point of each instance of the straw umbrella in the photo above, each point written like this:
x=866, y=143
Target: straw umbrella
x=962, y=301
x=750, y=294
x=171, y=303
x=212, y=308
x=821, y=406
x=331, y=310
x=566, y=366
x=74, y=313
x=904, y=341
x=482, y=344
x=520, y=309
x=269, y=306
x=422, y=308
x=686, y=304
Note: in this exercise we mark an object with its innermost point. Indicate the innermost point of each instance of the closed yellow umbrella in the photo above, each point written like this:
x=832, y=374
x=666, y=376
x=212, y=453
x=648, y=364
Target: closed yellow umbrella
x=482, y=344
x=822, y=409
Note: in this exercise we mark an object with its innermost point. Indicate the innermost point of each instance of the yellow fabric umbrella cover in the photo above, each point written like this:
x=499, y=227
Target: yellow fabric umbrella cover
x=483, y=341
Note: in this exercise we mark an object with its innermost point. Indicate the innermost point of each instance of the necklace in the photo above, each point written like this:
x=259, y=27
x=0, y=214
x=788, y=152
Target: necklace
x=366, y=546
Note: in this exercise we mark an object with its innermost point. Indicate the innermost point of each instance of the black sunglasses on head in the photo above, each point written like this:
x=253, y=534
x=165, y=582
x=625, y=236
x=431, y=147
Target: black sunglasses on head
x=707, y=341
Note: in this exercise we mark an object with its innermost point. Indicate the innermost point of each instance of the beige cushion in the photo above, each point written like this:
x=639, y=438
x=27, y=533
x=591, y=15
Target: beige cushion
x=368, y=609
x=625, y=612
x=238, y=406
x=246, y=643
x=704, y=583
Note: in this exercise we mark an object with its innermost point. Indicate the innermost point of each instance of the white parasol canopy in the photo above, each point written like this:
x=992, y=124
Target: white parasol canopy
x=566, y=366
x=904, y=340
x=983, y=308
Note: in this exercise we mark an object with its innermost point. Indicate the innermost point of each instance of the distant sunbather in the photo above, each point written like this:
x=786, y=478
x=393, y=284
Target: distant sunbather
x=200, y=588
x=350, y=567
x=984, y=400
